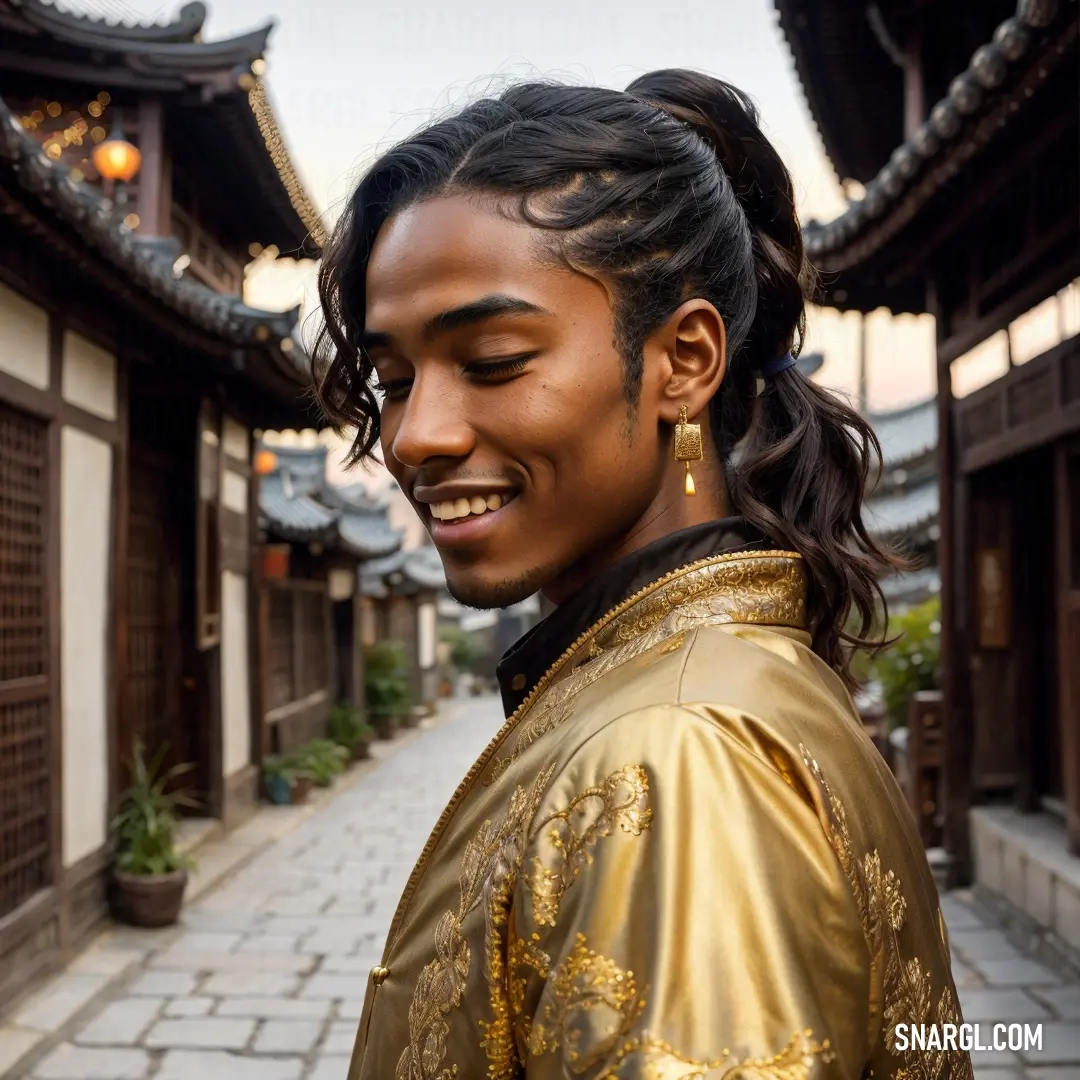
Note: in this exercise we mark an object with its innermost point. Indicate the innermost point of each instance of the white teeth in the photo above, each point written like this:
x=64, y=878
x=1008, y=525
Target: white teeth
x=453, y=509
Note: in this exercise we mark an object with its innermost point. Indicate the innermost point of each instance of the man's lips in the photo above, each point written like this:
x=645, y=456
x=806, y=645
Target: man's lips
x=468, y=529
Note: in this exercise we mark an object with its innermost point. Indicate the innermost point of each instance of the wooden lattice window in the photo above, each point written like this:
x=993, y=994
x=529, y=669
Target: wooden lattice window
x=25, y=791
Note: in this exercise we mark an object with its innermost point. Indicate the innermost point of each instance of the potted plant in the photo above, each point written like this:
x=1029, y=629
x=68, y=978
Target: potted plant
x=348, y=730
x=322, y=760
x=285, y=781
x=386, y=686
x=150, y=875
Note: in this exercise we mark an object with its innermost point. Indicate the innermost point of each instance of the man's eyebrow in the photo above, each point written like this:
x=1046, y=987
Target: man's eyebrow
x=475, y=311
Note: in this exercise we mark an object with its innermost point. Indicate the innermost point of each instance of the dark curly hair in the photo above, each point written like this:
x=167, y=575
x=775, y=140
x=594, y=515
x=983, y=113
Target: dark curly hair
x=669, y=191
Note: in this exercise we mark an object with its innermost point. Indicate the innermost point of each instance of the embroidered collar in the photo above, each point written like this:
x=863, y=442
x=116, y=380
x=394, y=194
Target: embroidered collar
x=524, y=664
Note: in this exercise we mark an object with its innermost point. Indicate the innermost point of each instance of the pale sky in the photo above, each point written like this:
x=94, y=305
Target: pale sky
x=347, y=80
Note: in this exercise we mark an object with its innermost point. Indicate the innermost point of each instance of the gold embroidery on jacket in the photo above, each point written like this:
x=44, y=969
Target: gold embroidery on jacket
x=763, y=591
x=620, y=801
x=491, y=855
x=908, y=990
x=567, y=836
x=537, y=725
x=588, y=1009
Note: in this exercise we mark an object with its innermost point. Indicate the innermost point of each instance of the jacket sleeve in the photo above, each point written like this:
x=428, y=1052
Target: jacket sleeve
x=680, y=913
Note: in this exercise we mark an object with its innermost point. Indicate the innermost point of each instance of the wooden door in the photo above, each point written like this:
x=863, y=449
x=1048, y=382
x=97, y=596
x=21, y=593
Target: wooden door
x=26, y=849
x=154, y=690
x=1068, y=534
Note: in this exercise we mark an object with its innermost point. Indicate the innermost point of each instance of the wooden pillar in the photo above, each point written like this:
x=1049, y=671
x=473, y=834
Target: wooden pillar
x=1067, y=502
x=955, y=670
x=152, y=205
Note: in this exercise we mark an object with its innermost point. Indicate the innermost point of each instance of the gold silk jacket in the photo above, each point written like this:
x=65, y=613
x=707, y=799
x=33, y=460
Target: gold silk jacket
x=681, y=857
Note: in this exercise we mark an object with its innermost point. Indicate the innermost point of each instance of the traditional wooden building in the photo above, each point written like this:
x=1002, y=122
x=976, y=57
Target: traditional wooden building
x=402, y=591
x=903, y=507
x=132, y=378
x=960, y=122
x=311, y=609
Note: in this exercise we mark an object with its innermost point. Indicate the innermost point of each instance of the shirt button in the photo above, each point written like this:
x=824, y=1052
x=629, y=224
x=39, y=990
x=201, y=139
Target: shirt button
x=379, y=975
x=517, y=682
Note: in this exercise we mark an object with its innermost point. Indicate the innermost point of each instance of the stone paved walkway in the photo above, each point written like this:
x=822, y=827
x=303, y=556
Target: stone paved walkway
x=265, y=978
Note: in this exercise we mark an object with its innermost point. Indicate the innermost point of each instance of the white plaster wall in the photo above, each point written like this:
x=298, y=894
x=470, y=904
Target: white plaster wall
x=234, y=437
x=235, y=687
x=234, y=491
x=427, y=634
x=89, y=379
x=85, y=550
x=24, y=339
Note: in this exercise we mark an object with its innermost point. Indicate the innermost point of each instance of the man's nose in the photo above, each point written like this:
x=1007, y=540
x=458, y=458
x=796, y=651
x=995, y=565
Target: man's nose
x=434, y=423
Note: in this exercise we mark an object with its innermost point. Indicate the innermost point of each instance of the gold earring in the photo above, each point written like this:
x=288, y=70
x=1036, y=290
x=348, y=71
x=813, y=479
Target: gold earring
x=687, y=446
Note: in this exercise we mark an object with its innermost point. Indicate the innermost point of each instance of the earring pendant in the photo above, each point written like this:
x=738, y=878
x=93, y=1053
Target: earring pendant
x=687, y=447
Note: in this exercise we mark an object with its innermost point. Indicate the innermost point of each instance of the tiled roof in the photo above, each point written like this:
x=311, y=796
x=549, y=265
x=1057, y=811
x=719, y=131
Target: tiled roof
x=300, y=505
x=294, y=516
x=933, y=142
x=906, y=434
x=424, y=567
x=892, y=515
x=368, y=534
x=420, y=567
x=148, y=262
x=912, y=588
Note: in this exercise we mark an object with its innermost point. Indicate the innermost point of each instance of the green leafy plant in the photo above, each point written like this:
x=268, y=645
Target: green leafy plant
x=277, y=765
x=149, y=813
x=322, y=759
x=346, y=727
x=386, y=680
x=913, y=663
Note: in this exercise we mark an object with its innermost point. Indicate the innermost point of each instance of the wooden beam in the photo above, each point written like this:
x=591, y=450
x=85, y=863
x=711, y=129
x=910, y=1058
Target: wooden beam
x=1050, y=281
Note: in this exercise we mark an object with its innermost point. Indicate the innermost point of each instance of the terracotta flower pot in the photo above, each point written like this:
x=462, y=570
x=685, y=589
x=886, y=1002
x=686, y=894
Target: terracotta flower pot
x=301, y=790
x=362, y=748
x=150, y=900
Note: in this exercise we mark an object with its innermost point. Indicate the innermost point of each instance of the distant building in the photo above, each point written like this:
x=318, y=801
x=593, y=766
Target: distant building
x=903, y=506
x=132, y=380
x=312, y=609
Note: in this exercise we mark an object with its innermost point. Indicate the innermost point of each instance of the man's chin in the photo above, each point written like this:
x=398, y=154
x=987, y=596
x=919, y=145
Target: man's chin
x=477, y=593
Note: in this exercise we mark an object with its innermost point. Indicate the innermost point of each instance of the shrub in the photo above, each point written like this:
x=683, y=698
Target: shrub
x=386, y=680
x=914, y=662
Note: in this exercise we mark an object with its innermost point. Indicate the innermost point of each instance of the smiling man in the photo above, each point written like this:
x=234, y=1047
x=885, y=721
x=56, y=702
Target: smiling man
x=569, y=316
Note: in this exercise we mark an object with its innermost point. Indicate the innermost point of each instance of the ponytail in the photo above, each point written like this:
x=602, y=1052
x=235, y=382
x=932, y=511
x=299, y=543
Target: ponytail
x=798, y=459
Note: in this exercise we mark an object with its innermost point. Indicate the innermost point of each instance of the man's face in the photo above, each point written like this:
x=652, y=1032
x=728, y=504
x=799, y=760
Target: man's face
x=505, y=419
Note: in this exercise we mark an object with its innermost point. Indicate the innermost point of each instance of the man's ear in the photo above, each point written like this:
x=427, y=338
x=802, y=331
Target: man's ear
x=690, y=355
